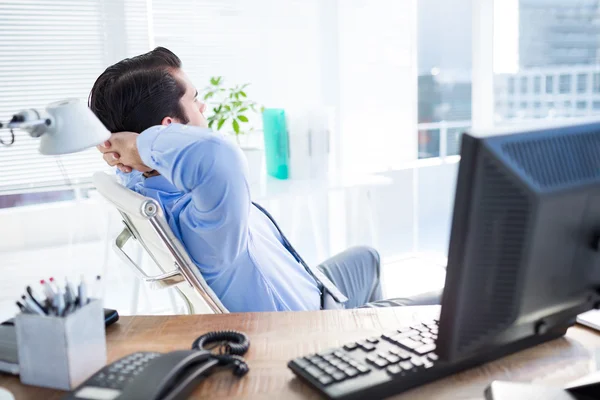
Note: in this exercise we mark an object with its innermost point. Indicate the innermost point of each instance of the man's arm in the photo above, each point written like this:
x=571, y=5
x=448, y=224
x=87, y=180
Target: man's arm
x=214, y=171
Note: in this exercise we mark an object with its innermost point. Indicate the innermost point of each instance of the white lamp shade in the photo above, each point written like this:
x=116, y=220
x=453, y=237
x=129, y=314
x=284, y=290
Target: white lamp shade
x=73, y=128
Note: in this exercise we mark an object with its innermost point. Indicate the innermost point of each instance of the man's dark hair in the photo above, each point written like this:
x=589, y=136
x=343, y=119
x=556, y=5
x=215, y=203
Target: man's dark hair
x=138, y=92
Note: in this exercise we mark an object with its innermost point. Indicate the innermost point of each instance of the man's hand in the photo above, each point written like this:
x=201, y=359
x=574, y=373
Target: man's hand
x=121, y=151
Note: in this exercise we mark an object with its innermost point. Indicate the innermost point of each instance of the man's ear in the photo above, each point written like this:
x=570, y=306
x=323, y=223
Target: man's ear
x=167, y=121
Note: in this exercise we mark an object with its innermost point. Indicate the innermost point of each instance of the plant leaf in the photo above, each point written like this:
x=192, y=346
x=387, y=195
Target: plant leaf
x=262, y=109
x=242, y=93
x=219, y=80
x=214, y=81
x=241, y=110
x=221, y=122
x=236, y=127
x=242, y=118
x=210, y=123
x=228, y=108
x=208, y=95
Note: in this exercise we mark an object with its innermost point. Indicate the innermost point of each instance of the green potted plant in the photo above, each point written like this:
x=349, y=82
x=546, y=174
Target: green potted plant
x=232, y=112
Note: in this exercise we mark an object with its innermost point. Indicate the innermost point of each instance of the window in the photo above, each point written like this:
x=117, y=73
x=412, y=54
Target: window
x=596, y=105
x=581, y=105
x=55, y=52
x=511, y=85
x=444, y=78
x=510, y=105
x=564, y=84
x=537, y=105
x=597, y=82
x=549, y=84
x=524, y=85
x=550, y=105
x=567, y=105
x=523, y=105
x=582, y=83
x=537, y=85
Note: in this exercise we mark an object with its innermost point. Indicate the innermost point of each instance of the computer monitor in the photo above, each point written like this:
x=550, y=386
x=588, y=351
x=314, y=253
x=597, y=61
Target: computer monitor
x=524, y=255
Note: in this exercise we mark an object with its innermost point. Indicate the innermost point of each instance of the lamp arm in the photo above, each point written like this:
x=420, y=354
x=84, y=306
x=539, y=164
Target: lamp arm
x=32, y=121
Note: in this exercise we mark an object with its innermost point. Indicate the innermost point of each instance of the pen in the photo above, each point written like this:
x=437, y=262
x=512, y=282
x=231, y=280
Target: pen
x=48, y=291
x=32, y=306
x=21, y=307
x=59, y=303
x=82, y=293
x=69, y=289
x=33, y=297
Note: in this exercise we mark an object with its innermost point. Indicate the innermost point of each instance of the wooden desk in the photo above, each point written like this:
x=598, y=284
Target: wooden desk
x=279, y=337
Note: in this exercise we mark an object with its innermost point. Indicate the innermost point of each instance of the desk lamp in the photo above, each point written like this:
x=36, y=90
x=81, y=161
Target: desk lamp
x=66, y=126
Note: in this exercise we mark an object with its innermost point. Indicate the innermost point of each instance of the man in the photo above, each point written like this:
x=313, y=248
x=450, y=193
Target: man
x=160, y=138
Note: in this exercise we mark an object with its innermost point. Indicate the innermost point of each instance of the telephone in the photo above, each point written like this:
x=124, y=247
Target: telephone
x=168, y=376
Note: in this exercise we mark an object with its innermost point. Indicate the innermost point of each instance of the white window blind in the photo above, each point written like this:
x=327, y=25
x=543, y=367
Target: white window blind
x=51, y=50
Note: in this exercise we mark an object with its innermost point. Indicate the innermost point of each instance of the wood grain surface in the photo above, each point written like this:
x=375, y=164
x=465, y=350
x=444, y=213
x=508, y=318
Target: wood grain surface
x=278, y=337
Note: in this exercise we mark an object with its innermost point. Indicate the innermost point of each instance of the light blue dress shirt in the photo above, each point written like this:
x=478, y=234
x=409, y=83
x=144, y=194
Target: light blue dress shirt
x=204, y=193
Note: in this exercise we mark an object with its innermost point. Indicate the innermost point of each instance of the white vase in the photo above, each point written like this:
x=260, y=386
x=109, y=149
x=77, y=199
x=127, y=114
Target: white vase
x=254, y=156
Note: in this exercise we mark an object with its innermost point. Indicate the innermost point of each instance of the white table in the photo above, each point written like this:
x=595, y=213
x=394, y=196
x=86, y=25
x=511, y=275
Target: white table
x=302, y=193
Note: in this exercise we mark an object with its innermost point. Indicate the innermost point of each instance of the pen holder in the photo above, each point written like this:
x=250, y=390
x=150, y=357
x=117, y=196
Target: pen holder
x=61, y=352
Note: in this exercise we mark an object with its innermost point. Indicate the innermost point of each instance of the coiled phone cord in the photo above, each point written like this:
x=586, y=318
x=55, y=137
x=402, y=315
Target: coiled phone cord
x=232, y=346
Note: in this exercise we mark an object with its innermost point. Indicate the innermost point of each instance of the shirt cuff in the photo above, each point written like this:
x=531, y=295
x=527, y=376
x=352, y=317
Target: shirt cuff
x=145, y=141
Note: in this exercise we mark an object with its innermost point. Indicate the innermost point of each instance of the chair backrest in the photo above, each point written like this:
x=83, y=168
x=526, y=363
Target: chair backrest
x=144, y=221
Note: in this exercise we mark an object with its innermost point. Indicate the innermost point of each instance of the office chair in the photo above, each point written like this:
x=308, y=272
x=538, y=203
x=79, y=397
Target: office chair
x=145, y=223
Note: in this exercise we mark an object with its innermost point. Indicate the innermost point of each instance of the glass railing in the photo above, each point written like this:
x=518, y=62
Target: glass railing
x=441, y=139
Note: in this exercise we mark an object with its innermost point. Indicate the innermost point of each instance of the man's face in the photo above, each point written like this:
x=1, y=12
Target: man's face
x=193, y=108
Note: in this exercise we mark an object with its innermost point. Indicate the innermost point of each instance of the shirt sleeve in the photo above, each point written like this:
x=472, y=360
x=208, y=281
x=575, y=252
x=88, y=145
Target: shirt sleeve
x=214, y=171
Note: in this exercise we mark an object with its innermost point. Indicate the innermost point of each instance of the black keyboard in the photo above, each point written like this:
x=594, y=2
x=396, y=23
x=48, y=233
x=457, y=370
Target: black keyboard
x=377, y=366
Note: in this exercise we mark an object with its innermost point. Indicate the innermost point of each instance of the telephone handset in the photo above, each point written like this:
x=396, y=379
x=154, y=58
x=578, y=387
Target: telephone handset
x=169, y=376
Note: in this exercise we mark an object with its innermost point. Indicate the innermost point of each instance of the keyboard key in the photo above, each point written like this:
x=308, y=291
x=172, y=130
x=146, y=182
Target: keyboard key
x=301, y=362
x=350, y=346
x=403, y=354
x=427, y=364
x=382, y=354
x=406, y=365
x=394, y=369
x=330, y=370
x=426, y=334
x=338, y=354
x=338, y=376
x=314, y=359
x=381, y=362
x=373, y=340
x=404, y=329
x=325, y=380
x=409, y=343
x=336, y=362
x=367, y=347
x=322, y=364
x=416, y=361
x=421, y=328
x=326, y=353
x=372, y=357
x=330, y=357
x=314, y=372
x=363, y=369
x=343, y=366
x=432, y=356
x=427, y=340
x=351, y=372
x=392, y=359
x=408, y=334
x=425, y=348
